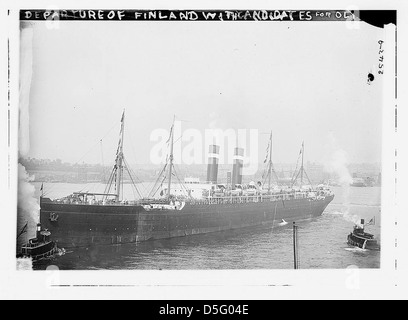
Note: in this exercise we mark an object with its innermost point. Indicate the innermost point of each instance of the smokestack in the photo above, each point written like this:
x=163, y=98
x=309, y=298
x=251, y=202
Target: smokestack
x=237, y=168
x=38, y=231
x=212, y=168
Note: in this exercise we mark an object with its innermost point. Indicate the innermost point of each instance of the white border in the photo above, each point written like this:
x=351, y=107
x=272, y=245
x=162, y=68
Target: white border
x=385, y=283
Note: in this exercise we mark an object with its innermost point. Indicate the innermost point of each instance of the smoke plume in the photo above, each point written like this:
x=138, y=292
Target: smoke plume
x=27, y=206
x=336, y=164
x=26, y=67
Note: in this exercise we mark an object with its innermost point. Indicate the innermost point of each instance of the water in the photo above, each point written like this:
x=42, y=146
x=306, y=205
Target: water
x=322, y=242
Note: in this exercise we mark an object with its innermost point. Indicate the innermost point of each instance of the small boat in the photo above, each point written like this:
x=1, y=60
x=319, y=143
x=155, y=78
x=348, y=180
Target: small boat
x=360, y=238
x=39, y=247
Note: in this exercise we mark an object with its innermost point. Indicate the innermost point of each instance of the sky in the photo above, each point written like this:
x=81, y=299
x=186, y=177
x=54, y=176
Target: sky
x=305, y=81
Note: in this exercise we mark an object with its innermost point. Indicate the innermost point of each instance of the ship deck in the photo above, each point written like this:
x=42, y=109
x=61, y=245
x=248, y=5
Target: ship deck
x=193, y=201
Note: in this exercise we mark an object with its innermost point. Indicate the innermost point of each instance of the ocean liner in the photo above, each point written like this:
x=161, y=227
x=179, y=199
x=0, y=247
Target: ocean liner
x=85, y=219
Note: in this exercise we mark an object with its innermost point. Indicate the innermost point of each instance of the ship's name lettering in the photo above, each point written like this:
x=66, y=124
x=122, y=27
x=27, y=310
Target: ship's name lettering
x=77, y=14
x=185, y=15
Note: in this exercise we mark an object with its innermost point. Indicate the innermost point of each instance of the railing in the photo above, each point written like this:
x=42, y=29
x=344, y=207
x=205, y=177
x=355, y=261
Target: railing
x=231, y=199
x=251, y=199
x=31, y=245
x=99, y=203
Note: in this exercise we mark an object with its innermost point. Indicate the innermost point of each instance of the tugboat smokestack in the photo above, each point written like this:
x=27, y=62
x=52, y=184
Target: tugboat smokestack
x=212, y=168
x=38, y=233
x=237, y=167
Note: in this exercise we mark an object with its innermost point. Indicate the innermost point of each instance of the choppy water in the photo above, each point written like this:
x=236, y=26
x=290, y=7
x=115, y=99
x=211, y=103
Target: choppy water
x=322, y=242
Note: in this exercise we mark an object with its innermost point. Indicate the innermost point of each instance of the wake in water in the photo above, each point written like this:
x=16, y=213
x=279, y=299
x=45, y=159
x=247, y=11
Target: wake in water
x=347, y=216
x=334, y=213
x=356, y=249
x=365, y=205
x=24, y=264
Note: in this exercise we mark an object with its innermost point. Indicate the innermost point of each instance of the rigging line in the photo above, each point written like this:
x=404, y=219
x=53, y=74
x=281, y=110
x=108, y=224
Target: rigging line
x=276, y=175
x=126, y=166
x=161, y=184
x=183, y=187
x=95, y=145
x=133, y=191
x=52, y=188
x=176, y=169
x=110, y=182
x=304, y=171
x=131, y=178
x=296, y=169
x=263, y=177
x=181, y=183
x=134, y=194
x=83, y=188
x=103, y=163
x=122, y=182
x=155, y=187
x=177, y=139
x=132, y=174
x=267, y=175
x=296, y=179
x=133, y=152
x=183, y=120
x=145, y=190
x=158, y=179
x=87, y=187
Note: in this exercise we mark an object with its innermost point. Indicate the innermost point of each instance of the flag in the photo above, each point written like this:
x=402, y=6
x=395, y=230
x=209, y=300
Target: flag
x=372, y=221
x=171, y=131
x=301, y=149
x=23, y=230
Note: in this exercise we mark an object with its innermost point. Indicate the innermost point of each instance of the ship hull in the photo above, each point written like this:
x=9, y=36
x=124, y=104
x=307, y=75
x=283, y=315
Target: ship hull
x=39, y=251
x=362, y=243
x=76, y=225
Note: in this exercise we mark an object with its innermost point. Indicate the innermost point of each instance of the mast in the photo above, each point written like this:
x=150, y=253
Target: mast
x=103, y=163
x=270, y=163
x=171, y=157
x=119, y=158
x=295, y=246
x=301, y=168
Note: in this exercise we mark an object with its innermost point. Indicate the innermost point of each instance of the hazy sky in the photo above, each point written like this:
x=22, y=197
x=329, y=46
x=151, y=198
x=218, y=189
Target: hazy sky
x=303, y=80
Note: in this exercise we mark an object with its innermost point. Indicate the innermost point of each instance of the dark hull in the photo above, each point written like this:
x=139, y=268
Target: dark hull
x=79, y=225
x=363, y=243
x=42, y=250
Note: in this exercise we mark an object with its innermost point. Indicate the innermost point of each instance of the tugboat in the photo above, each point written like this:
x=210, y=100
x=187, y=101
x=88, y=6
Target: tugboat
x=360, y=238
x=39, y=247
